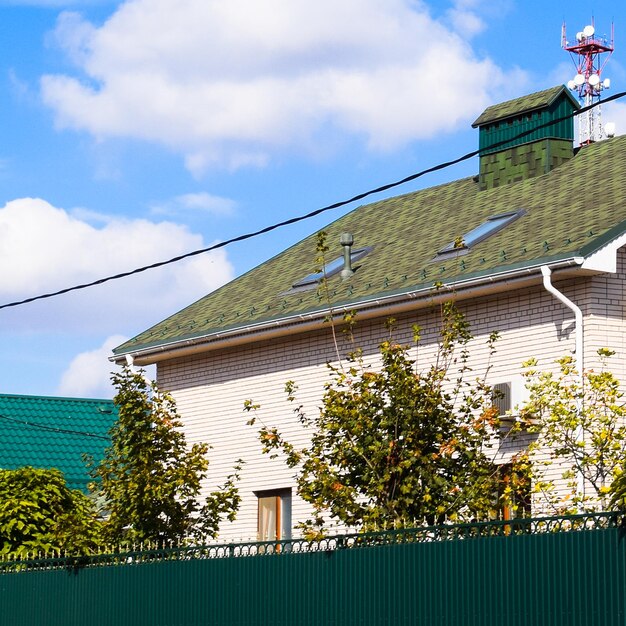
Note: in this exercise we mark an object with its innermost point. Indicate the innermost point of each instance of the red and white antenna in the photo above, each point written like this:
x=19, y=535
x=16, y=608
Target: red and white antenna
x=587, y=55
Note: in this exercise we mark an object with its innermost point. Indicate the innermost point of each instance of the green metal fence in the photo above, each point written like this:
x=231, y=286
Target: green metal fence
x=552, y=571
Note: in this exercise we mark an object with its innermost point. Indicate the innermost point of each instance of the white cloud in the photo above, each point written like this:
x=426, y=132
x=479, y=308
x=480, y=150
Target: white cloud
x=89, y=373
x=466, y=22
x=44, y=249
x=74, y=34
x=615, y=112
x=18, y=86
x=91, y=217
x=231, y=83
x=199, y=202
x=561, y=73
x=464, y=18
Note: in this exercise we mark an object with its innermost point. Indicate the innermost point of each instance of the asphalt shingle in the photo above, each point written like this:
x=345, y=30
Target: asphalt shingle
x=571, y=211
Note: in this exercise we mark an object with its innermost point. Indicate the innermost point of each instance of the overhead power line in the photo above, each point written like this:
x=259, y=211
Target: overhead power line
x=53, y=429
x=306, y=216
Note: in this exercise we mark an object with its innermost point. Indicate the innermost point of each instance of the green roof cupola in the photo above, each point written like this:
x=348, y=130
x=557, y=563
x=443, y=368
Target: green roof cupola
x=525, y=137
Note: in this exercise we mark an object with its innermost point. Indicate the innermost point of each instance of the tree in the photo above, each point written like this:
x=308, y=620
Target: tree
x=580, y=433
x=39, y=513
x=396, y=447
x=618, y=488
x=149, y=480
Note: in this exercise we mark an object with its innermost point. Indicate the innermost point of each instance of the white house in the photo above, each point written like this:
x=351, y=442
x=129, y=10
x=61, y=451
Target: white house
x=538, y=257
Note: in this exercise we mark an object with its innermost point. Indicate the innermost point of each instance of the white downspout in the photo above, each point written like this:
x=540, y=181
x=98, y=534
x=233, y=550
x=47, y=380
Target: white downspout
x=578, y=356
x=130, y=361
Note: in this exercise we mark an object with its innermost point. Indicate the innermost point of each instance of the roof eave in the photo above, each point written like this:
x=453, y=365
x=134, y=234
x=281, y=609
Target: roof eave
x=376, y=306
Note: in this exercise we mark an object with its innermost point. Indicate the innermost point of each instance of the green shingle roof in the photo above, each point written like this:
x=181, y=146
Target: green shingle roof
x=46, y=432
x=525, y=104
x=570, y=212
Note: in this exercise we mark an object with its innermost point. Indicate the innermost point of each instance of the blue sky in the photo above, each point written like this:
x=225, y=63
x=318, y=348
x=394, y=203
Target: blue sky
x=135, y=131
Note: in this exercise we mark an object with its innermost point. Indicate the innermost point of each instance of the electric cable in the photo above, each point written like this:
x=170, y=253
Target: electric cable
x=64, y=431
x=311, y=214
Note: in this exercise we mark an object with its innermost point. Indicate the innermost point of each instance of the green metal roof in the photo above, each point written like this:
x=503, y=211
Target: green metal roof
x=46, y=432
x=569, y=212
x=525, y=104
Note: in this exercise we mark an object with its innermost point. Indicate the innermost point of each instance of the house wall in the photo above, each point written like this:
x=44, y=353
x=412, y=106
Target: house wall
x=211, y=388
x=605, y=313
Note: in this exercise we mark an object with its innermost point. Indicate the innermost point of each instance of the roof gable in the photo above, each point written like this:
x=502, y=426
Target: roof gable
x=46, y=432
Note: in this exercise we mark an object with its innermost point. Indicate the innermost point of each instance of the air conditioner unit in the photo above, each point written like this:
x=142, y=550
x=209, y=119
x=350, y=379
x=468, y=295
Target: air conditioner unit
x=502, y=398
x=508, y=398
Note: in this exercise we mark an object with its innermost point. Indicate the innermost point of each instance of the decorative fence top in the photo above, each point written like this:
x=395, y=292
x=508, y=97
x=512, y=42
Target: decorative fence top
x=133, y=555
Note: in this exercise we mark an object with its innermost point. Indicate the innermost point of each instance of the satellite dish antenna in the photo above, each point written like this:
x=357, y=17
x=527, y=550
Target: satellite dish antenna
x=588, y=31
x=594, y=80
x=609, y=129
x=571, y=84
x=579, y=79
x=579, y=36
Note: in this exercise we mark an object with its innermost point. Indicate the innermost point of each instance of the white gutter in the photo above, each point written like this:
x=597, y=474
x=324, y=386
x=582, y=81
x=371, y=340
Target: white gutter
x=578, y=358
x=382, y=305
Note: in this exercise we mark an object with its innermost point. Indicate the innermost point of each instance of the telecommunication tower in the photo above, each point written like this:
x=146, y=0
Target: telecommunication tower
x=587, y=55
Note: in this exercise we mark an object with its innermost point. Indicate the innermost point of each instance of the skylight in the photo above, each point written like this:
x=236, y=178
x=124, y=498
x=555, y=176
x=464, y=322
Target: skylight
x=330, y=269
x=478, y=234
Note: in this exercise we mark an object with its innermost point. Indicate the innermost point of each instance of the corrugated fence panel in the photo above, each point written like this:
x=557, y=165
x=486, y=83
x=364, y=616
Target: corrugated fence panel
x=572, y=578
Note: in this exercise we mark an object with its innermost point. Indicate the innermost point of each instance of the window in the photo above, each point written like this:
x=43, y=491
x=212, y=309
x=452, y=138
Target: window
x=514, y=497
x=330, y=269
x=481, y=232
x=274, y=515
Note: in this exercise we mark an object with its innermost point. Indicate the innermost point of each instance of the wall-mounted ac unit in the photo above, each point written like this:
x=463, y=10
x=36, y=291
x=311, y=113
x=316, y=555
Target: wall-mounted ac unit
x=508, y=398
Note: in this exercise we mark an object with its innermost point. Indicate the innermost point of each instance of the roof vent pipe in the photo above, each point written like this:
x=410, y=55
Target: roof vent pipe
x=346, y=240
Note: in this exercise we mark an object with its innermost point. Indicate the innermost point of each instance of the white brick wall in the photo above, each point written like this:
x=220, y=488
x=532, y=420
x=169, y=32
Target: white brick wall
x=210, y=389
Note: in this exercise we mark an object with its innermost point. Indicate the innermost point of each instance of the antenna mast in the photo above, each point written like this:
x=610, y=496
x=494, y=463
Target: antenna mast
x=587, y=54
